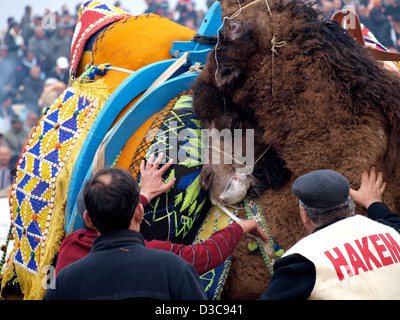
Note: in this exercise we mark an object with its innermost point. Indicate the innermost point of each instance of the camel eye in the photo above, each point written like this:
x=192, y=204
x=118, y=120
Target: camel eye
x=234, y=27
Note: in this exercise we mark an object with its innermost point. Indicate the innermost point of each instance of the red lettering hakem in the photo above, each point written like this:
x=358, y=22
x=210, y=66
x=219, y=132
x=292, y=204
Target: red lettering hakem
x=380, y=248
x=355, y=259
x=338, y=262
x=367, y=254
x=392, y=246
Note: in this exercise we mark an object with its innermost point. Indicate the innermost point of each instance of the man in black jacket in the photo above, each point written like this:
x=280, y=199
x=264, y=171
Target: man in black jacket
x=346, y=257
x=119, y=266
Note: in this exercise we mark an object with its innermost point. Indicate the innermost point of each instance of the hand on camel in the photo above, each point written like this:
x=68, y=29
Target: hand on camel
x=371, y=189
x=151, y=184
x=251, y=227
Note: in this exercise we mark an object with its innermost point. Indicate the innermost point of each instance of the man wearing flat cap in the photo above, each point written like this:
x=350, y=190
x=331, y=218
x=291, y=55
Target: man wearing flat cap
x=345, y=256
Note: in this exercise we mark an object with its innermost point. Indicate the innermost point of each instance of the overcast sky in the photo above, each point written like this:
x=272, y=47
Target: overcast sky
x=15, y=8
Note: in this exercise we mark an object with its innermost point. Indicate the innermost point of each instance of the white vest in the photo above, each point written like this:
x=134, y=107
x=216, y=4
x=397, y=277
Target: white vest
x=354, y=258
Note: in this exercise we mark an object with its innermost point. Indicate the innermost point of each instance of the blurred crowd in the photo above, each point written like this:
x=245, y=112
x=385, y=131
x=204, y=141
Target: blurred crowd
x=35, y=52
x=185, y=12
x=381, y=17
x=34, y=71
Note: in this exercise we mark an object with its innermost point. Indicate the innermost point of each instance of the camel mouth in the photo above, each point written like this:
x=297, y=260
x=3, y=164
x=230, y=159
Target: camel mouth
x=235, y=190
x=230, y=184
x=231, y=192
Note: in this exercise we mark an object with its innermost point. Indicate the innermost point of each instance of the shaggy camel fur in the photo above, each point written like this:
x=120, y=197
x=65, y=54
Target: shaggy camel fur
x=314, y=96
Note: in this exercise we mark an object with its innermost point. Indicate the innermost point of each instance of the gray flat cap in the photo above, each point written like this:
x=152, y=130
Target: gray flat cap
x=321, y=189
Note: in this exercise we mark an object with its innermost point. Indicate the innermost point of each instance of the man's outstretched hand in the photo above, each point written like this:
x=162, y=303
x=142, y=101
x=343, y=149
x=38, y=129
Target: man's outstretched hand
x=151, y=183
x=371, y=189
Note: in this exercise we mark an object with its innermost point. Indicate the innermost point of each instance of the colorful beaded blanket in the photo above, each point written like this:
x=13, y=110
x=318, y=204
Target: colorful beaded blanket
x=37, y=199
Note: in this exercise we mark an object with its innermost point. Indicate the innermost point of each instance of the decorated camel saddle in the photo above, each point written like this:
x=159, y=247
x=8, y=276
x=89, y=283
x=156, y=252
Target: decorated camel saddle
x=130, y=95
x=117, y=110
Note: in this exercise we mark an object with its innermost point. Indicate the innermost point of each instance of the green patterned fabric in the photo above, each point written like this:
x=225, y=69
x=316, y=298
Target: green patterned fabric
x=177, y=214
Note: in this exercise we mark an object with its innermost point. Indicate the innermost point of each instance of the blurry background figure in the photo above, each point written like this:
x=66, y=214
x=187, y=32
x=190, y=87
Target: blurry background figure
x=10, y=21
x=152, y=7
x=61, y=70
x=210, y=3
x=60, y=44
x=7, y=84
x=40, y=46
x=24, y=66
x=6, y=113
x=15, y=138
x=31, y=121
x=5, y=171
x=52, y=89
x=185, y=13
x=379, y=25
x=32, y=89
x=26, y=24
x=15, y=43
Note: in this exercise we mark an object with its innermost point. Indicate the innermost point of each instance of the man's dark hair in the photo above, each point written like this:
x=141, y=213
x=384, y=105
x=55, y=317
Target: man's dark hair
x=111, y=198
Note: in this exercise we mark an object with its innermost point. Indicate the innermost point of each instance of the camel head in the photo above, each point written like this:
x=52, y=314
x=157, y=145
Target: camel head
x=279, y=68
x=234, y=163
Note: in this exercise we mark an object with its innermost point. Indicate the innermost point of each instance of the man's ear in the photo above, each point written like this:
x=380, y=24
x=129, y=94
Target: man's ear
x=306, y=221
x=139, y=213
x=137, y=218
x=88, y=221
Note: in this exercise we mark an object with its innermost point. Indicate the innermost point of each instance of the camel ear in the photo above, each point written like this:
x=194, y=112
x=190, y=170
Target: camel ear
x=206, y=176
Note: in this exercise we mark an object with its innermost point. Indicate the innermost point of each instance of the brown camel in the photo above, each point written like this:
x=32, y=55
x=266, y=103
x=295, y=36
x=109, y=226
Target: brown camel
x=315, y=98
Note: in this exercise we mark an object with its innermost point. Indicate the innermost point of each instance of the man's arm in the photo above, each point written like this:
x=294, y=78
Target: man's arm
x=213, y=251
x=293, y=279
x=378, y=212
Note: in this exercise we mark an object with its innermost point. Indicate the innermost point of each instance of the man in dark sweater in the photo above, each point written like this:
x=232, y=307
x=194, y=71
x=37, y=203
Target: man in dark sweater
x=119, y=266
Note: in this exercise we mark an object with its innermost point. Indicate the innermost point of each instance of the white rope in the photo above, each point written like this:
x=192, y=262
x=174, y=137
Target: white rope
x=224, y=209
x=266, y=246
x=121, y=70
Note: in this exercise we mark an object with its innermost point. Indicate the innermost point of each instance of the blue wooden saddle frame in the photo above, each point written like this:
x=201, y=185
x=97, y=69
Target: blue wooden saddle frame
x=149, y=104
